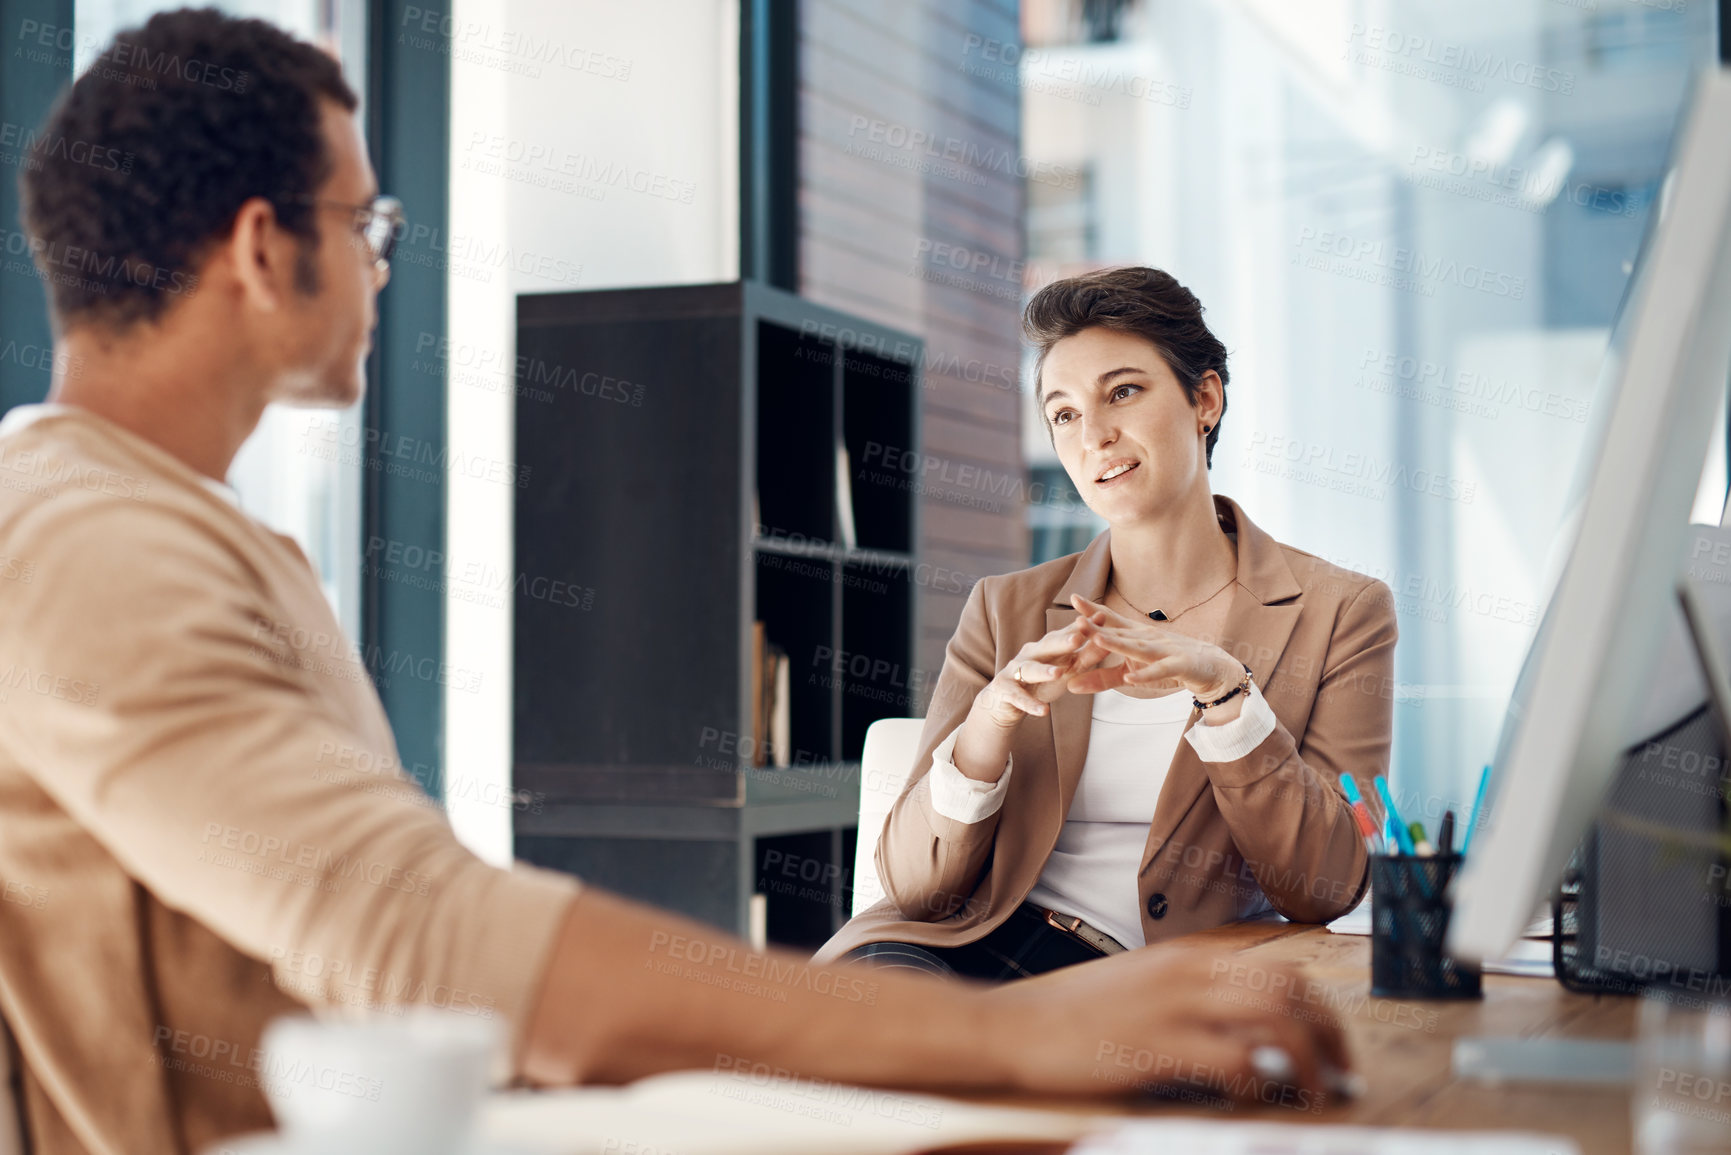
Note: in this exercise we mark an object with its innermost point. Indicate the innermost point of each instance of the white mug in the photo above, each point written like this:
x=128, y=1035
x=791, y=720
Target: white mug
x=391, y=1084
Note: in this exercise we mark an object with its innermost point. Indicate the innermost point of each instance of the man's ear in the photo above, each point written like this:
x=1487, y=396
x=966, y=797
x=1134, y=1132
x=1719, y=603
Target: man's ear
x=260, y=254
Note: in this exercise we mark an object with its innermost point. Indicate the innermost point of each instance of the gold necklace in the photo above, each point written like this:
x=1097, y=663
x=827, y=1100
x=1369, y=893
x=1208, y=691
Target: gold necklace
x=1160, y=615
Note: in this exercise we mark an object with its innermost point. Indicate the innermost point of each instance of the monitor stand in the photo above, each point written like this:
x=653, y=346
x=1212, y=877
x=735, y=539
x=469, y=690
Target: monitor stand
x=1711, y=655
x=1498, y=1059
x=1509, y=1059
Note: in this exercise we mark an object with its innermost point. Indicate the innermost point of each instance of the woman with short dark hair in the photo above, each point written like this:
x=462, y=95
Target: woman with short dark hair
x=1144, y=739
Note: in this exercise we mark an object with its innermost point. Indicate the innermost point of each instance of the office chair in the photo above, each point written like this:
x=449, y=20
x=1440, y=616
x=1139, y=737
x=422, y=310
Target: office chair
x=891, y=745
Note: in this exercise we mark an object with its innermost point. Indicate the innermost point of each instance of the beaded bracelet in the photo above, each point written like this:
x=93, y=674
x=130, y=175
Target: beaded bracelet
x=1241, y=687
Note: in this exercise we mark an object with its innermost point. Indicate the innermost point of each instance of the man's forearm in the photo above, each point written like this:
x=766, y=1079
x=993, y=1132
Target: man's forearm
x=630, y=991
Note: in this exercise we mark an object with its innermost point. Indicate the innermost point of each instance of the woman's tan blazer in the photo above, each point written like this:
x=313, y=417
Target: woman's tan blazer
x=1319, y=640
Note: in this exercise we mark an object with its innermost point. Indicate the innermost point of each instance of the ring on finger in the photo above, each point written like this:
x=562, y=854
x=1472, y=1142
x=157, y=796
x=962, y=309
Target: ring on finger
x=1273, y=1062
x=1017, y=674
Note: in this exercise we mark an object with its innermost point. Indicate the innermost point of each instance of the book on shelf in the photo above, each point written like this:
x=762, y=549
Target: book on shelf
x=758, y=732
x=771, y=679
x=844, y=497
x=780, y=718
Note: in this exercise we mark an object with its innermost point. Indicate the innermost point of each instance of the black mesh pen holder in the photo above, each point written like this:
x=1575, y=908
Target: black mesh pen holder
x=1410, y=901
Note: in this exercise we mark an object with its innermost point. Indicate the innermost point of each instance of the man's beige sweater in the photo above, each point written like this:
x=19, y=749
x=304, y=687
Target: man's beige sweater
x=201, y=821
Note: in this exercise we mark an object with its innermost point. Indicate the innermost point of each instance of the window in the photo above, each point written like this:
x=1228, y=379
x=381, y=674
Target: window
x=300, y=472
x=1411, y=224
x=1059, y=523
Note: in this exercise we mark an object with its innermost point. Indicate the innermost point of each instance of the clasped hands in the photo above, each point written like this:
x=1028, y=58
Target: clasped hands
x=1102, y=650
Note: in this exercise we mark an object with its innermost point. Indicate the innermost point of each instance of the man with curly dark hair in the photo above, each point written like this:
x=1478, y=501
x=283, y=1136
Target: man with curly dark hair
x=222, y=133
x=203, y=823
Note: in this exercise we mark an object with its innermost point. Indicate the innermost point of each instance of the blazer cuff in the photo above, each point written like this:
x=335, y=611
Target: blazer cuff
x=958, y=797
x=1230, y=741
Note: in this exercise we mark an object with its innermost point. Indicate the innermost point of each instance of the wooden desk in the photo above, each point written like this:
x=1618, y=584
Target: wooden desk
x=1404, y=1048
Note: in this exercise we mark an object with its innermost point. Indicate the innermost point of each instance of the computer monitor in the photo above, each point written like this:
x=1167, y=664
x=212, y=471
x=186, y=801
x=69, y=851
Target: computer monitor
x=1664, y=374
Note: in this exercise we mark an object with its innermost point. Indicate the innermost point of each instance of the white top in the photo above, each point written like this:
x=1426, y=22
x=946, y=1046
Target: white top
x=1131, y=742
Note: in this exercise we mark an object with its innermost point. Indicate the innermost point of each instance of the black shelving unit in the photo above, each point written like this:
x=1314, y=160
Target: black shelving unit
x=679, y=454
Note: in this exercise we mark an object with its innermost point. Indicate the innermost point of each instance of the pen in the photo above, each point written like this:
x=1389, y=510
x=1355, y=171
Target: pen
x=1402, y=837
x=1445, y=837
x=1478, y=802
x=1361, y=815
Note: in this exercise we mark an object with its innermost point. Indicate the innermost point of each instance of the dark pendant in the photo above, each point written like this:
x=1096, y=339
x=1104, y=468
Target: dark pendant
x=1158, y=615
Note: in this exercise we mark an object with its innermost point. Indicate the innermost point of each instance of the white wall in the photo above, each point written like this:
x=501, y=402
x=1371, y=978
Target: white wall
x=593, y=145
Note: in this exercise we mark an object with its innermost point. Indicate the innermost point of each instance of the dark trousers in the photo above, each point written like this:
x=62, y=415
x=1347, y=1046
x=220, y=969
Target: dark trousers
x=1026, y=944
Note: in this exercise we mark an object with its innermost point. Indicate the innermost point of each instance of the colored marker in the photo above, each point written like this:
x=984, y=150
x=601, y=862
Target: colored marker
x=1421, y=844
x=1445, y=838
x=1349, y=784
x=1367, y=828
x=1402, y=838
x=1361, y=815
x=1478, y=803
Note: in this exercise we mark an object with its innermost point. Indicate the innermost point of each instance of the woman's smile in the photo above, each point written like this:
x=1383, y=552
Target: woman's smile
x=1115, y=472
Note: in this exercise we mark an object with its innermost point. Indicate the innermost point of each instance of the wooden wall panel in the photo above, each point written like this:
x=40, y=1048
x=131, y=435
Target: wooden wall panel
x=883, y=229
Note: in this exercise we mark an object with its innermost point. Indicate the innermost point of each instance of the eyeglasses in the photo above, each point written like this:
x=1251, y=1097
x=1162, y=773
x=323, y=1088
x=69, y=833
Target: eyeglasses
x=379, y=223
